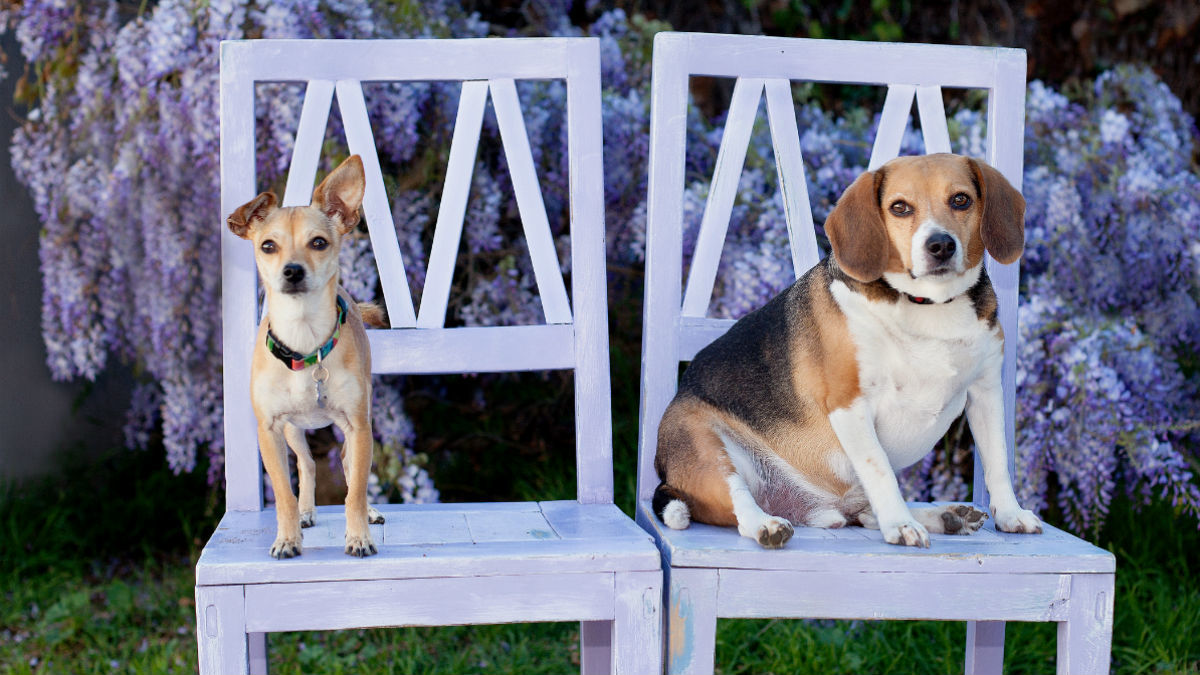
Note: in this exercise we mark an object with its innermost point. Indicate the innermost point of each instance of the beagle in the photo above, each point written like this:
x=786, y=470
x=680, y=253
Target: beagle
x=805, y=409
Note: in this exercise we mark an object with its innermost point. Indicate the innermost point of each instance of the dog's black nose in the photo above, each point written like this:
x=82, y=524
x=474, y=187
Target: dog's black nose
x=941, y=246
x=293, y=273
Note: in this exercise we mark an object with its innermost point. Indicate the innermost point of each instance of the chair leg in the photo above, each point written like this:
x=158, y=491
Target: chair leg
x=224, y=648
x=258, y=653
x=637, y=628
x=691, y=620
x=985, y=647
x=595, y=647
x=1085, y=638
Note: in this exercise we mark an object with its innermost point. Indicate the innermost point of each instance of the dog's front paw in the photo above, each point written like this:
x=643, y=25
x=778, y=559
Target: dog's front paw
x=962, y=519
x=286, y=547
x=374, y=517
x=775, y=532
x=308, y=518
x=906, y=533
x=1017, y=520
x=360, y=546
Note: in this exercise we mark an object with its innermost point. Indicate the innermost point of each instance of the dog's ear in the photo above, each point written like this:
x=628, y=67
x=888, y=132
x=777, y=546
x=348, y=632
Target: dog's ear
x=856, y=231
x=341, y=193
x=1003, y=222
x=241, y=221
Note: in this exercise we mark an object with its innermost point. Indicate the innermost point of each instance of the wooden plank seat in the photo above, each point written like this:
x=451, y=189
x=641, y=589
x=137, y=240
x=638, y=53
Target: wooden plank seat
x=435, y=540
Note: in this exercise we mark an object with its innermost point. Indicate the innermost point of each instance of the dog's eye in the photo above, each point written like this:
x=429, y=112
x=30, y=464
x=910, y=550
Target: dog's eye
x=901, y=208
x=267, y=246
x=318, y=244
x=960, y=201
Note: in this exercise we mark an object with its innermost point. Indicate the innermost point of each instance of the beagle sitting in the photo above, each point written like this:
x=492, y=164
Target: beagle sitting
x=803, y=411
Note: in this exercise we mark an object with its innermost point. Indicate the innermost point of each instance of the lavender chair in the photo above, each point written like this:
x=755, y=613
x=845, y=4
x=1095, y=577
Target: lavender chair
x=440, y=564
x=985, y=579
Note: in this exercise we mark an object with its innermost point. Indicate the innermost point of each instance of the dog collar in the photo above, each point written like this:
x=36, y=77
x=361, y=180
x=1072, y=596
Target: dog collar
x=923, y=301
x=296, y=361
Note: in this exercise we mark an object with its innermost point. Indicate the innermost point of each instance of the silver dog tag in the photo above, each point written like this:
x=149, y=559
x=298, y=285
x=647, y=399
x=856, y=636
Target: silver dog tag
x=320, y=374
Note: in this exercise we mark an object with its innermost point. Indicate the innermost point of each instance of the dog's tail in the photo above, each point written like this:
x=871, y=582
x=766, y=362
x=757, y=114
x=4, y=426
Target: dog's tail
x=372, y=315
x=671, y=507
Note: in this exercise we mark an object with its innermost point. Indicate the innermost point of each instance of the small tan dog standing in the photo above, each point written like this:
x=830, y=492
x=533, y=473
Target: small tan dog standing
x=312, y=363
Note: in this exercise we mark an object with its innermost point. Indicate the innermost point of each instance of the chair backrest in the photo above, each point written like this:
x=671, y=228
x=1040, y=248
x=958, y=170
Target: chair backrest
x=675, y=325
x=575, y=334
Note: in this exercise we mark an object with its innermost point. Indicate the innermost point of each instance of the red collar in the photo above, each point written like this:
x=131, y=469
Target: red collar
x=923, y=301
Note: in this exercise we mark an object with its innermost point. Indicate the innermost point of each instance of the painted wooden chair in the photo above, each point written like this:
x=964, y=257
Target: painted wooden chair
x=985, y=579
x=438, y=564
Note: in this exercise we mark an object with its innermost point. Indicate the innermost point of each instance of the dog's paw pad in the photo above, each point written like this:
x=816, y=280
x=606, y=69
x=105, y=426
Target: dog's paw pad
x=360, y=547
x=962, y=519
x=308, y=519
x=775, y=533
x=374, y=517
x=285, y=548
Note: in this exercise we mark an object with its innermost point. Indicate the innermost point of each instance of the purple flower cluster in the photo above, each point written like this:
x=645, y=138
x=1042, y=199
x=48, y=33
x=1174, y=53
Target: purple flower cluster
x=120, y=156
x=119, y=153
x=1111, y=274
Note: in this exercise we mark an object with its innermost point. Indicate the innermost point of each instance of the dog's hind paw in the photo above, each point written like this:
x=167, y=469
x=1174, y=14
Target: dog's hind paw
x=775, y=532
x=360, y=546
x=308, y=518
x=962, y=519
x=285, y=547
x=374, y=517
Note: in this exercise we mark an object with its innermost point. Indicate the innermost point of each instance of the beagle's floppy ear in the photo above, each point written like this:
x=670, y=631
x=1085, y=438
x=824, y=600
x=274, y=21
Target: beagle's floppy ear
x=241, y=221
x=341, y=193
x=856, y=231
x=1003, y=226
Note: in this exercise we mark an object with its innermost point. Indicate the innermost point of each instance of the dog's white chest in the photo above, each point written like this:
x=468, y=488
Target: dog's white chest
x=915, y=364
x=293, y=398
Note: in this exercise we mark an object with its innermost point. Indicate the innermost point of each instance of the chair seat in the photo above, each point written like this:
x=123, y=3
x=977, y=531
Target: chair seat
x=857, y=549
x=434, y=540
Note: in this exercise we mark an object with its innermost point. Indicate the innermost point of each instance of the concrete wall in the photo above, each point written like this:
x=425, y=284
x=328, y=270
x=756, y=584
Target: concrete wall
x=39, y=418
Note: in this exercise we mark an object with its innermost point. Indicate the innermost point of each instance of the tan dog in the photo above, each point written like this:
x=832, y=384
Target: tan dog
x=805, y=409
x=312, y=363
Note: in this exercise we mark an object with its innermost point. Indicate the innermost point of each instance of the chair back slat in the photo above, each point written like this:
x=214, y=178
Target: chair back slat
x=239, y=311
x=664, y=250
x=447, y=232
x=893, y=120
x=674, y=330
x=789, y=162
x=546, y=270
x=376, y=210
x=474, y=349
x=310, y=136
x=731, y=157
x=338, y=68
x=589, y=279
x=1006, y=152
x=933, y=119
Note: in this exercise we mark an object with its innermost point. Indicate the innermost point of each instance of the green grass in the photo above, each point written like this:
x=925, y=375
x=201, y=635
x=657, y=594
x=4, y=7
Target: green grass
x=96, y=577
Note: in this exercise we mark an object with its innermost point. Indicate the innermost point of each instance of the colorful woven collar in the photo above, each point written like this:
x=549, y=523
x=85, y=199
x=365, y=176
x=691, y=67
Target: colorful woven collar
x=301, y=361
